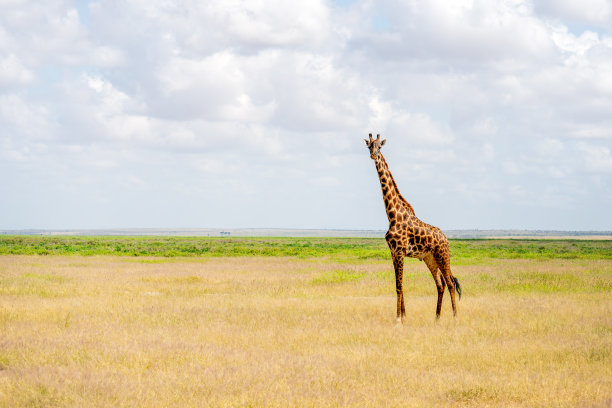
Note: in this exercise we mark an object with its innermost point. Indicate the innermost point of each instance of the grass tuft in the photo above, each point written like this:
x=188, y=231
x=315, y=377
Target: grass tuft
x=337, y=276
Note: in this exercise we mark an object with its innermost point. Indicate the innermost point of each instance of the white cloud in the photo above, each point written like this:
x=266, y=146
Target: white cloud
x=586, y=11
x=25, y=120
x=488, y=152
x=417, y=129
x=597, y=159
x=274, y=23
x=549, y=147
x=216, y=165
x=214, y=88
x=325, y=181
x=13, y=72
x=491, y=102
x=468, y=33
x=420, y=129
x=40, y=34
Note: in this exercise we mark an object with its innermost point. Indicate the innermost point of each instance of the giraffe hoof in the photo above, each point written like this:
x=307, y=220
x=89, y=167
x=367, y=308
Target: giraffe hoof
x=398, y=321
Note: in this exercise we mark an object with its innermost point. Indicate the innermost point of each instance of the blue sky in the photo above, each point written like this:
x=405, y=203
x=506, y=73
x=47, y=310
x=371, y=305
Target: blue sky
x=238, y=114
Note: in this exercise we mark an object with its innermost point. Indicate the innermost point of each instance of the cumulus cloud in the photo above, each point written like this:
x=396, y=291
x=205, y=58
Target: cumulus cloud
x=596, y=158
x=498, y=104
x=13, y=72
x=598, y=12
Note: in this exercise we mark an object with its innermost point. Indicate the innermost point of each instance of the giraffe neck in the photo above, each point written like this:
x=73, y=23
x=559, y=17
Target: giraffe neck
x=391, y=195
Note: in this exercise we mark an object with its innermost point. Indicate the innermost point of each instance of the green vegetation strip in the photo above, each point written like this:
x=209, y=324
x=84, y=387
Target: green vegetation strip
x=343, y=248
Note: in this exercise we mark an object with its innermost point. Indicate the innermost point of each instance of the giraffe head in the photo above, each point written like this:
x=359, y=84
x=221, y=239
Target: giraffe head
x=374, y=145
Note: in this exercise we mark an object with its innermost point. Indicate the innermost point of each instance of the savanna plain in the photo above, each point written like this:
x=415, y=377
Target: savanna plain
x=265, y=322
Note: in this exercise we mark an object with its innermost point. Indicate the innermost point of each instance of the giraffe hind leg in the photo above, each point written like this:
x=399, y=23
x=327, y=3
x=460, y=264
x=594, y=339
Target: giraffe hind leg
x=444, y=265
x=437, y=276
x=450, y=282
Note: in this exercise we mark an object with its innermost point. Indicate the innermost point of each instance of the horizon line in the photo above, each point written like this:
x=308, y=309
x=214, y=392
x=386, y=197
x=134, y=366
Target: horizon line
x=301, y=232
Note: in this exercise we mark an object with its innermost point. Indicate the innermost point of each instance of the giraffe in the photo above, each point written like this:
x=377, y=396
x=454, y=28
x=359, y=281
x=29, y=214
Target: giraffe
x=409, y=236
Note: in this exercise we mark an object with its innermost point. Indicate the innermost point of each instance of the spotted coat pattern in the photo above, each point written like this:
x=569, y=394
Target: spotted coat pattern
x=408, y=236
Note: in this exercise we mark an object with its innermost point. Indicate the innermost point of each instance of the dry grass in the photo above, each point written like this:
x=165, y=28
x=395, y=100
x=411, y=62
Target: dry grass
x=107, y=331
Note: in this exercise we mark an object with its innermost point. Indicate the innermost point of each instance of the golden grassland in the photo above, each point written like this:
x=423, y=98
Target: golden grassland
x=104, y=331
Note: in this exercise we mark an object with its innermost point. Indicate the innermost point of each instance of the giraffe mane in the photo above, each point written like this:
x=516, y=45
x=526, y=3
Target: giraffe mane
x=400, y=196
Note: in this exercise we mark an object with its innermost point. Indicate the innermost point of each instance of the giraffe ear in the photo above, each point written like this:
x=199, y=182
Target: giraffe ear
x=367, y=143
x=382, y=142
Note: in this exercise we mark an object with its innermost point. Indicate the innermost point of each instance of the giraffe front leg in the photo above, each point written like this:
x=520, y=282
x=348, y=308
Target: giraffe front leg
x=398, y=264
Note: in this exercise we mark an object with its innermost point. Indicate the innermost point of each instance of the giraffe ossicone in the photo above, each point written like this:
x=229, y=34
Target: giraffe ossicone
x=408, y=236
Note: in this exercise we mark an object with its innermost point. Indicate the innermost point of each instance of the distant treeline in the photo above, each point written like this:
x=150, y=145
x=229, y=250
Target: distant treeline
x=524, y=233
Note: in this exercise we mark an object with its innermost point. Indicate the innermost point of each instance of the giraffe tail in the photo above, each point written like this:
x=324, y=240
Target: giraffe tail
x=457, y=286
